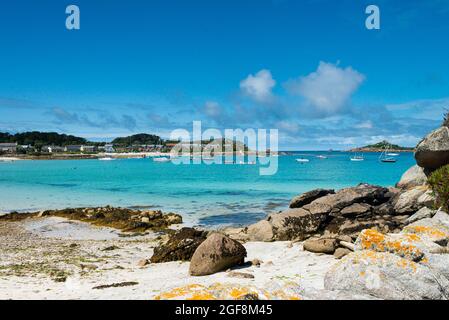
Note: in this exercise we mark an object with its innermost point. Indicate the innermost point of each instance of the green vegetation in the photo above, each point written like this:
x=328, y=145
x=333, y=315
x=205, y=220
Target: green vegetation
x=385, y=144
x=439, y=181
x=138, y=139
x=39, y=139
x=446, y=120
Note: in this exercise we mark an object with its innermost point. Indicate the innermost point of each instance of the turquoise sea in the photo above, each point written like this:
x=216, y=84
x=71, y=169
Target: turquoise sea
x=208, y=195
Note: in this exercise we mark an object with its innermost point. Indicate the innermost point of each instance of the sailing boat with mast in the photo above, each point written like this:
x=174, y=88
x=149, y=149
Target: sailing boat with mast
x=386, y=156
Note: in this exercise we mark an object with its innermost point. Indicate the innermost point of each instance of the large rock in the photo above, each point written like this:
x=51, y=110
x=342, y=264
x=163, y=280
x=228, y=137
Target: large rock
x=405, y=245
x=356, y=209
x=441, y=216
x=180, y=246
x=413, y=177
x=260, y=231
x=433, y=229
x=308, y=197
x=327, y=246
x=433, y=151
x=427, y=199
x=407, y=202
x=217, y=253
x=420, y=214
x=296, y=224
x=386, y=276
x=363, y=193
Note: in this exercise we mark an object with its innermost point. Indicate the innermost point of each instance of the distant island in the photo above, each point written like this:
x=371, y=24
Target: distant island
x=381, y=146
x=52, y=145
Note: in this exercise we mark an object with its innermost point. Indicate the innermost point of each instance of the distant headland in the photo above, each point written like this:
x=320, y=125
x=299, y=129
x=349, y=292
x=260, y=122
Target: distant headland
x=382, y=146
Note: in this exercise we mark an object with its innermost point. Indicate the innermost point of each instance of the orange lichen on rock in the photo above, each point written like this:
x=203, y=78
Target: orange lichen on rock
x=189, y=292
x=371, y=239
x=427, y=231
x=220, y=291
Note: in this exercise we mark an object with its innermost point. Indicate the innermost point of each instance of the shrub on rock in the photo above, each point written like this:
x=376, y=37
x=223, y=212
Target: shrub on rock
x=439, y=182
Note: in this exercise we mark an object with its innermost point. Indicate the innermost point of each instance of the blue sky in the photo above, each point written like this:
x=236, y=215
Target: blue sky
x=308, y=68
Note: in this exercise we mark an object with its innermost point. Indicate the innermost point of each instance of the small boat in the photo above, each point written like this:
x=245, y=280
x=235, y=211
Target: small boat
x=302, y=160
x=321, y=156
x=357, y=158
x=387, y=157
x=392, y=154
x=106, y=159
x=161, y=159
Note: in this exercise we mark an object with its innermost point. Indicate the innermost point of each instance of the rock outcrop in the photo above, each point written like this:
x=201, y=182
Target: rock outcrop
x=124, y=219
x=411, y=264
x=433, y=151
x=260, y=231
x=217, y=253
x=413, y=177
x=307, y=197
x=345, y=212
x=298, y=224
x=180, y=247
x=386, y=276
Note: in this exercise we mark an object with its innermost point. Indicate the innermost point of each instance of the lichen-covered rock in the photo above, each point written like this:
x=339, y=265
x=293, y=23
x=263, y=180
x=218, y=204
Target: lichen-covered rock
x=295, y=224
x=406, y=245
x=260, y=231
x=407, y=202
x=433, y=151
x=386, y=276
x=217, y=253
x=307, y=197
x=327, y=246
x=435, y=230
x=180, y=246
x=421, y=214
x=220, y=291
x=413, y=177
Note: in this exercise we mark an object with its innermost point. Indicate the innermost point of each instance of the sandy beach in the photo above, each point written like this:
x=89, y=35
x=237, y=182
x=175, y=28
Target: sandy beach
x=53, y=258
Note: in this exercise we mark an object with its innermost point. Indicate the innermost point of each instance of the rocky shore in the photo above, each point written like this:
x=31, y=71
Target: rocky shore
x=362, y=242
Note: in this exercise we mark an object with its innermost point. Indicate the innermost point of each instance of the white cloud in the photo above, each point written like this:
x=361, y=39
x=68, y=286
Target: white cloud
x=259, y=86
x=364, y=125
x=212, y=109
x=288, y=126
x=328, y=88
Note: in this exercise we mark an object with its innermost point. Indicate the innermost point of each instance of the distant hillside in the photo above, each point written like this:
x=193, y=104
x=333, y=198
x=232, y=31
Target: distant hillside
x=380, y=146
x=138, y=139
x=39, y=139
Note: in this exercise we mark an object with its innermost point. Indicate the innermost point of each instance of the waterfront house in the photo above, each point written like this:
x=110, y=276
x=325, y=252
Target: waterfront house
x=87, y=148
x=8, y=147
x=109, y=148
x=52, y=149
x=72, y=148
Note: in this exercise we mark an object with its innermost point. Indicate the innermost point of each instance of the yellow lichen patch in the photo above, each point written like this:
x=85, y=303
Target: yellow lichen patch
x=406, y=264
x=427, y=231
x=228, y=292
x=187, y=292
x=373, y=240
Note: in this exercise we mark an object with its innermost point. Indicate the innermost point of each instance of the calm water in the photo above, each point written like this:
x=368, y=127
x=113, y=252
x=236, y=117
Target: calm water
x=204, y=194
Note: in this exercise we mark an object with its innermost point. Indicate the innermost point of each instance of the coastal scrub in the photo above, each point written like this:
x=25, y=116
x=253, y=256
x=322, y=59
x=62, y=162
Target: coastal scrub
x=439, y=181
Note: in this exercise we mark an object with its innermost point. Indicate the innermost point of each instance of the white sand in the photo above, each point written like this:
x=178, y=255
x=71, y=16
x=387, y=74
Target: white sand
x=101, y=267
